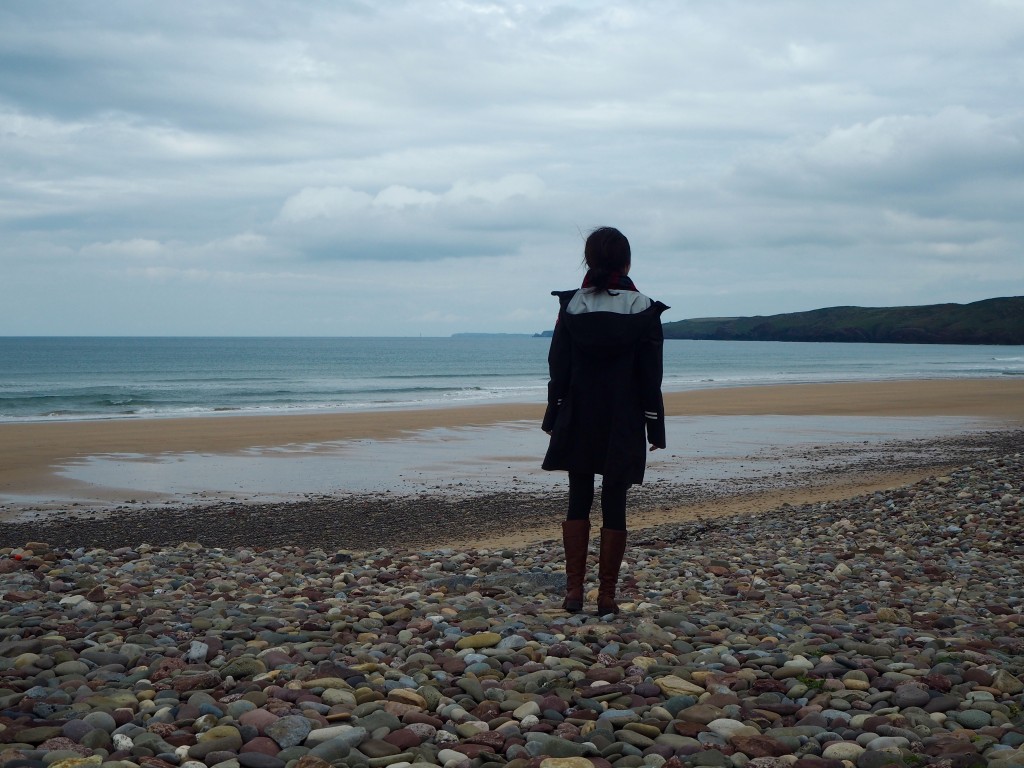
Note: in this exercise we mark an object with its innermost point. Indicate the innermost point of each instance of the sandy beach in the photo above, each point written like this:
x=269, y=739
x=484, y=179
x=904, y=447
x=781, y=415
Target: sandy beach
x=467, y=477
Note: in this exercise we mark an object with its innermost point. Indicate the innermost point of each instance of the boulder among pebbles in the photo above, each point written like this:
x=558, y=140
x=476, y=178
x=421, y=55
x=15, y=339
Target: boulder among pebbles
x=885, y=630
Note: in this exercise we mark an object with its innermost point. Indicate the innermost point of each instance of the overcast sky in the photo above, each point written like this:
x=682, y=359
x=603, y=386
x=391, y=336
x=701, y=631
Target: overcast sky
x=430, y=167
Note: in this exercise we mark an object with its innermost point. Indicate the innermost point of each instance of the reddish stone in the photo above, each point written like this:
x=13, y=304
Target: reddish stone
x=60, y=743
x=204, y=680
x=566, y=731
x=453, y=666
x=96, y=595
x=491, y=739
x=873, y=723
x=152, y=762
x=555, y=703
x=721, y=700
x=950, y=746
x=769, y=685
x=274, y=659
x=780, y=708
x=181, y=739
x=262, y=745
x=398, y=709
x=18, y=597
x=607, y=674
x=187, y=711
x=604, y=690
x=403, y=738
x=978, y=675
x=167, y=667
x=937, y=682
x=422, y=717
x=277, y=692
x=471, y=751
x=486, y=710
x=308, y=761
x=258, y=719
x=760, y=746
x=684, y=728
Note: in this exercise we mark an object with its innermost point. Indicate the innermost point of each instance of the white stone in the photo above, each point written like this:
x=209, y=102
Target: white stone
x=841, y=571
x=197, y=651
x=672, y=685
x=122, y=742
x=888, y=744
x=727, y=728
x=842, y=750
x=83, y=608
x=318, y=736
x=450, y=755
x=525, y=710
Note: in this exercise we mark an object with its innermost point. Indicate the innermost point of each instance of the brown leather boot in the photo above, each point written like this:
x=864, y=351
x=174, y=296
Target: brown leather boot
x=613, y=547
x=576, y=540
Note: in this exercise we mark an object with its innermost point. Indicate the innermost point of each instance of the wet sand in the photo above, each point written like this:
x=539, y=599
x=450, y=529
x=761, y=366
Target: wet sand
x=465, y=474
x=29, y=452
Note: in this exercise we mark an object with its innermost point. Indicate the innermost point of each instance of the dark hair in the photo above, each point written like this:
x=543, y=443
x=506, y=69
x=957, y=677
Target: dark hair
x=606, y=254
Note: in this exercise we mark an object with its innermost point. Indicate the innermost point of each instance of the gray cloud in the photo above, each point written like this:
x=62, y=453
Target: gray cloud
x=237, y=167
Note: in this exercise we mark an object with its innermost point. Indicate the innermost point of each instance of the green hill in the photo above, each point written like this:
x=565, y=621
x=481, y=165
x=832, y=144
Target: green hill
x=992, y=321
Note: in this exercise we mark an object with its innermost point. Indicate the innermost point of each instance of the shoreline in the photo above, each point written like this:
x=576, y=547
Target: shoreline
x=734, y=439
x=512, y=517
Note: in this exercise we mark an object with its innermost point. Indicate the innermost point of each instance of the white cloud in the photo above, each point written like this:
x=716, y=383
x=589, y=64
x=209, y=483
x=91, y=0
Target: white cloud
x=761, y=157
x=323, y=203
x=400, y=196
x=339, y=202
x=132, y=249
x=514, y=185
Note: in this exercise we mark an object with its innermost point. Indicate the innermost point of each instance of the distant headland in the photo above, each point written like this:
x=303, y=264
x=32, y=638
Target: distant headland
x=991, y=321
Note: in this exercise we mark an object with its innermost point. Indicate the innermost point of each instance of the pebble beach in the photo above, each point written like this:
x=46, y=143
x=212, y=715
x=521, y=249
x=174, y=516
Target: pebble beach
x=882, y=629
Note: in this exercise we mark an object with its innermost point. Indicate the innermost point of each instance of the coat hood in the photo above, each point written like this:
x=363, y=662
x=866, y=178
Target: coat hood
x=607, y=332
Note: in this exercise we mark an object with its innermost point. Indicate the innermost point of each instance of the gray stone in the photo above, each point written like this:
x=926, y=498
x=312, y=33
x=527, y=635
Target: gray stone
x=289, y=731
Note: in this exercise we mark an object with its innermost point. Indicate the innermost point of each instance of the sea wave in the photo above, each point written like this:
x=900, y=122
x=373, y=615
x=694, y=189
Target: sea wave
x=92, y=407
x=72, y=379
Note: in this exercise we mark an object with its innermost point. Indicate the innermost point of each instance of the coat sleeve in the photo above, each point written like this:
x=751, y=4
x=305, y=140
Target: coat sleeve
x=559, y=367
x=651, y=365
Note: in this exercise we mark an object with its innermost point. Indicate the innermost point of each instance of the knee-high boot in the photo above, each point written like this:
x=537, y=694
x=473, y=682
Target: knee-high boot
x=613, y=547
x=576, y=540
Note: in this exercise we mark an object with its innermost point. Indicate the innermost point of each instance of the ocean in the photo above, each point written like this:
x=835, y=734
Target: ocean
x=70, y=378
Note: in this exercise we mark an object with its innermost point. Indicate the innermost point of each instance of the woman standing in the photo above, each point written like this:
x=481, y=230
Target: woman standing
x=604, y=406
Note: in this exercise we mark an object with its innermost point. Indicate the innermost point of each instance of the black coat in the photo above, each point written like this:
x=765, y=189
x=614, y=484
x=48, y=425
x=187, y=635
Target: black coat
x=605, y=392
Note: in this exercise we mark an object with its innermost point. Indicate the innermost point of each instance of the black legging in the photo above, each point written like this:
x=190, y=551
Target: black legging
x=613, y=500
